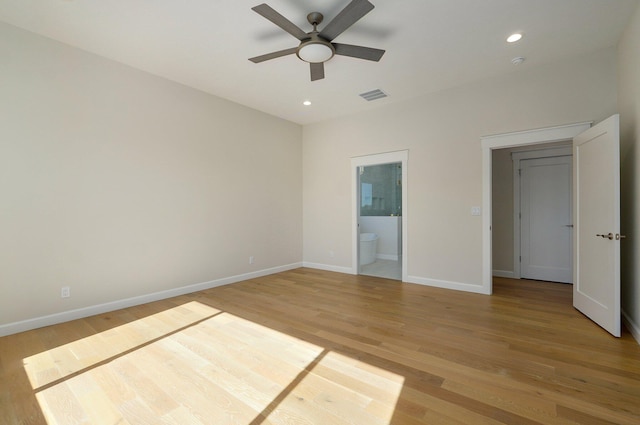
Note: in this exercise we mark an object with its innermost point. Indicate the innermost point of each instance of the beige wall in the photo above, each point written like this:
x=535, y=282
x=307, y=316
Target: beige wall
x=502, y=212
x=442, y=132
x=629, y=107
x=121, y=184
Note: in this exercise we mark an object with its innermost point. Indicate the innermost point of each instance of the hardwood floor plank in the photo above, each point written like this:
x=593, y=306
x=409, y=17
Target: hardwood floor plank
x=581, y=417
x=314, y=347
x=144, y=387
x=60, y=406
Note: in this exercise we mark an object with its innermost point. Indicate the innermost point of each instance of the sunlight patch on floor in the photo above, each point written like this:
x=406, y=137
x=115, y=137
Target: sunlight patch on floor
x=55, y=364
x=223, y=370
x=341, y=390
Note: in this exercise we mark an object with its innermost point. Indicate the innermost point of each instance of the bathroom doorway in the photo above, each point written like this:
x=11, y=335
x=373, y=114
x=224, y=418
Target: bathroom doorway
x=380, y=216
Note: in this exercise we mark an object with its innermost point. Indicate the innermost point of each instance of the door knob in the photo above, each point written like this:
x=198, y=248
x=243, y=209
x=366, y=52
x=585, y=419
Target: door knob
x=607, y=236
x=619, y=236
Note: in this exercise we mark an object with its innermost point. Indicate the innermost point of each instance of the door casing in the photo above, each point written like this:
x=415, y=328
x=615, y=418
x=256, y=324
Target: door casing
x=510, y=140
x=377, y=159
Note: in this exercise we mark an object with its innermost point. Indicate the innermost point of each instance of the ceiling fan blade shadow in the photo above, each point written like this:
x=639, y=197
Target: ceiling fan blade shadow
x=272, y=33
x=360, y=52
x=273, y=55
x=317, y=71
x=347, y=17
x=374, y=33
x=269, y=13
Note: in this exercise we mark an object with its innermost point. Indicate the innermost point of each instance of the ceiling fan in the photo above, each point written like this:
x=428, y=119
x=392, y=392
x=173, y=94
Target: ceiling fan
x=316, y=47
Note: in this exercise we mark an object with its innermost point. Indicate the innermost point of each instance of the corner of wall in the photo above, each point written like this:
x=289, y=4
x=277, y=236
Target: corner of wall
x=628, y=62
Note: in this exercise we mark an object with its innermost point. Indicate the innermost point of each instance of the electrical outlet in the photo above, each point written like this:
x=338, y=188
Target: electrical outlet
x=475, y=210
x=65, y=292
x=251, y=259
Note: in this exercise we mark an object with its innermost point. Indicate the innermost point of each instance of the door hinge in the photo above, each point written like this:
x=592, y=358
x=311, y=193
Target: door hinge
x=519, y=171
x=520, y=259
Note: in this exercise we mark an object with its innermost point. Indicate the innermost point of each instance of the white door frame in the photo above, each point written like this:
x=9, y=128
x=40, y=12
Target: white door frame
x=377, y=159
x=509, y=140
x=564, y=150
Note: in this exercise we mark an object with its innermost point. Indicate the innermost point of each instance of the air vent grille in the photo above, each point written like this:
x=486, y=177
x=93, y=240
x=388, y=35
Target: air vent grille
x=373, y=95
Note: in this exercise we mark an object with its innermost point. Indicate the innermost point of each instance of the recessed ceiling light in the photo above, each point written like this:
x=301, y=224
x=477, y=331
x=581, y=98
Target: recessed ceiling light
x=306, y=103
x=514, y=37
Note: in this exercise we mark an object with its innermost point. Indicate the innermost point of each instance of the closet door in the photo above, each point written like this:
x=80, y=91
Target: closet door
x=546, y=229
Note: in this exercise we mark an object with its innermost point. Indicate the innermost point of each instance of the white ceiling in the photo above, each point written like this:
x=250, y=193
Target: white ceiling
x=430, y=44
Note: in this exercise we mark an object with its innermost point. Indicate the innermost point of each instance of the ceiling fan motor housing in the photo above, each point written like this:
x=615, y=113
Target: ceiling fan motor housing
x=315, y=49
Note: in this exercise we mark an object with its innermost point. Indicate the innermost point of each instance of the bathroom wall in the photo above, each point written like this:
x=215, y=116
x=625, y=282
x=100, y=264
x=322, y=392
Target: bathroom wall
x=384, y=183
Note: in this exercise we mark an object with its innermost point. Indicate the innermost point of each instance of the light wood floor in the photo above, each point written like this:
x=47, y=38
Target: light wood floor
x=315, y=347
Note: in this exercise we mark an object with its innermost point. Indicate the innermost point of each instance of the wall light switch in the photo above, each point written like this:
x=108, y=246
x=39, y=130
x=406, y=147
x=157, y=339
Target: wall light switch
x=475, y=210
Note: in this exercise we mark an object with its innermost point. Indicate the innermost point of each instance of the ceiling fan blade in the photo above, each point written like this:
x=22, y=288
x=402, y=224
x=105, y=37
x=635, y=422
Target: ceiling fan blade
x=273, y=55
x=317, y=71
x=347, y=17
x=269, y=13
x=359, y=52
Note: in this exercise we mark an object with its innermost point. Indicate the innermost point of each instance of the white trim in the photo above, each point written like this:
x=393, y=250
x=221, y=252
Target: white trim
x=504, y=273
x=65, y=316
x=508, y=140
x=457, y=286
x=328, y=267
x=363, y=161
x=631, y=326
x=535, y=136
x=565, y=150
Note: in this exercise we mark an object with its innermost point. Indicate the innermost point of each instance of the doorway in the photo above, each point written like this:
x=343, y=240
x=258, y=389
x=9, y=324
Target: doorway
x=379, y=214
x=511, y=140
x=380, y=220
x=596, y=198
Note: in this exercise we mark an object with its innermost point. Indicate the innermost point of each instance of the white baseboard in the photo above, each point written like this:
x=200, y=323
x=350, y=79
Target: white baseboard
x=503, y=273
x=458, y=286
x=467, y=287
x=65, y=316
x=328, y=267
x=631, y=326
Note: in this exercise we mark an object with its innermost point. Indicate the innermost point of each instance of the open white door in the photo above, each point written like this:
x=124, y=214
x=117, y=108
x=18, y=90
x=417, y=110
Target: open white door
x=596, y=179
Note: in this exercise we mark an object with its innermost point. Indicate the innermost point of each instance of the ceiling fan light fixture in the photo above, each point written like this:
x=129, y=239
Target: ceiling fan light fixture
x=315, y=51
